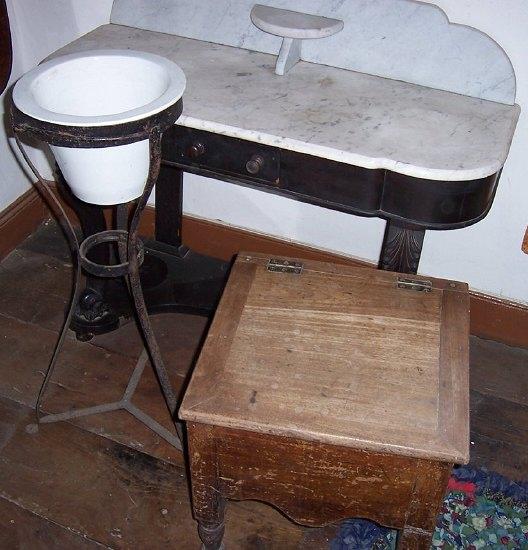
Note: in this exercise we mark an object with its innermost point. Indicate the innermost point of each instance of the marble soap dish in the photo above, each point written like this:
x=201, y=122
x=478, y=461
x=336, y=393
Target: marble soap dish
x=293, y=26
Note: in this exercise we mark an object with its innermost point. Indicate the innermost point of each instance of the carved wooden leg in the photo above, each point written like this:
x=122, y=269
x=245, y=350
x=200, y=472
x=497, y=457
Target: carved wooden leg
x=208, y=502
x=402, y=247
x=411, y=538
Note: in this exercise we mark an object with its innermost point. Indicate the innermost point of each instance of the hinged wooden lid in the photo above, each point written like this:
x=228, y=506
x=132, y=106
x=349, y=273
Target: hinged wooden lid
x=347, y=356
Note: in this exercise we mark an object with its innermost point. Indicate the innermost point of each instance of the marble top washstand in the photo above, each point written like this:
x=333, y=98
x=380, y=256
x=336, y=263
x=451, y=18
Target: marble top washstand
x=401, y=114
x=333, y=113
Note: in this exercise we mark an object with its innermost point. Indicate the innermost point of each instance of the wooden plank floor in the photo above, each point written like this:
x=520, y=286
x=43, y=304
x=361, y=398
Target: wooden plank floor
x=106, y=481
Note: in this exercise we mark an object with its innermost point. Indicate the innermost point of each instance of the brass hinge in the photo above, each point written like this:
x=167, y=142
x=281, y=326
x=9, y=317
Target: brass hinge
x=415, y=284
x=284, y=266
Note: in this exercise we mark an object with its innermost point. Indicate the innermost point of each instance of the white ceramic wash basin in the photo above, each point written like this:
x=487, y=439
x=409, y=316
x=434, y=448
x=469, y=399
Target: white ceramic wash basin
x=101, y=88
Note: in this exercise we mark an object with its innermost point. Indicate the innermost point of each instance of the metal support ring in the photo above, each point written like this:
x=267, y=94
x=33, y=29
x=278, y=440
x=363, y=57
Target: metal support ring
x=118, y=236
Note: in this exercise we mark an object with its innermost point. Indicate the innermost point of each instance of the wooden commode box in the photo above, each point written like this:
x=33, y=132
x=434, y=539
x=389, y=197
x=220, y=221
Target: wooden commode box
x=330, y=392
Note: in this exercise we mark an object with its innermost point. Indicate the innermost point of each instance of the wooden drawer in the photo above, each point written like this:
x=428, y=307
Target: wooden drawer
x=330, y=184
x=234, y=157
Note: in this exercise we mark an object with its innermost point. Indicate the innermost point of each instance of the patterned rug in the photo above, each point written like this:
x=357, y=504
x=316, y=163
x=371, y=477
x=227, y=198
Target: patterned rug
x=481, y=510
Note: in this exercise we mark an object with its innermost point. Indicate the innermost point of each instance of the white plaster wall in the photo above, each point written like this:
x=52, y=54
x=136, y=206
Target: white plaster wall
x=38, y=28
x=486, y=255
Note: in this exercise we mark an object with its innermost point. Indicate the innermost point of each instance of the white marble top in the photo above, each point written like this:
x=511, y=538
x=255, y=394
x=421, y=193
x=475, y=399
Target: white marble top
x=405, y=40
x=332, y=113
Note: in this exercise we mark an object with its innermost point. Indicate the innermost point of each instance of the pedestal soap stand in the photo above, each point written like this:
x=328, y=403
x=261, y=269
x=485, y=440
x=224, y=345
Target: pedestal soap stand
x=103, y=113
x=293, y=27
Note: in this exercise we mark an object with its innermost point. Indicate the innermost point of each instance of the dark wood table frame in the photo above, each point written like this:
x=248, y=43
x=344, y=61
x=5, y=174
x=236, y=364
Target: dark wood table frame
x=410, y=205
x=182, y=280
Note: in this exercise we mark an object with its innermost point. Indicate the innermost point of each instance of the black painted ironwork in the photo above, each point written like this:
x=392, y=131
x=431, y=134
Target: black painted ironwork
x=117, y=236
x=130, y=250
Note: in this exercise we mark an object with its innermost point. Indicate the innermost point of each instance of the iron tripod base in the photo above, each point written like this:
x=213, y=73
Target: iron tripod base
x=131, y=256
x=125, y=403
x=129, y=269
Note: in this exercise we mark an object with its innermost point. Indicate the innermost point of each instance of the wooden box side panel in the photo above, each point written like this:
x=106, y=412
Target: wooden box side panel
x=453, y=421
x=317, y=484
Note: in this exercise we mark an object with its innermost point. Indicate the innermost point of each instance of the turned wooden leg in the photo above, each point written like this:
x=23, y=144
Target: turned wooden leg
x=411, y=538
x=211, y=535
x=208, y=502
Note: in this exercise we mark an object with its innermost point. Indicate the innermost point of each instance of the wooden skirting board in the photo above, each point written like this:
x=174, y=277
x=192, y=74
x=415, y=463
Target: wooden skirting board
x=491, y=318
x=20, y=219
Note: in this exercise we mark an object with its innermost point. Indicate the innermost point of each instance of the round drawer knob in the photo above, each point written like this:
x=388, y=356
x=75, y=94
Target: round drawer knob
x=254, y=164
x=196, y=150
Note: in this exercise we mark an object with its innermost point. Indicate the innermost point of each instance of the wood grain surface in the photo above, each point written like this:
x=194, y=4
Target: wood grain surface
x=338, y=354
x=34, y=285
x=312, y=483
x=20, y=219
